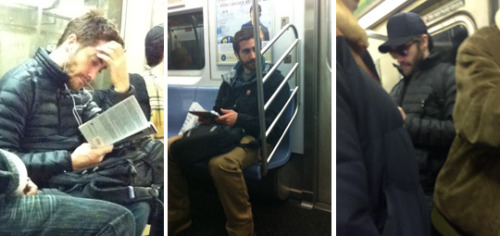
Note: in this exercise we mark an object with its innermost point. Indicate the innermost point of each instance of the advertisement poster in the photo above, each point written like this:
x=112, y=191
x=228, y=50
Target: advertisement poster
x=232, y=16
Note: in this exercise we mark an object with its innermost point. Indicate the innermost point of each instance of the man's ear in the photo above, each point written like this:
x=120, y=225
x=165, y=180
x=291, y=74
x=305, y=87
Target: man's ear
x=425, y=41
x=69, y=42
x=71, y=39
x=236, y=55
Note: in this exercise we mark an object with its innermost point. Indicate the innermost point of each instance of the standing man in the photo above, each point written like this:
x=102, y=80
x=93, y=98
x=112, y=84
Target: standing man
x=425, y=96
x=237, y=104
x=42, y=102
x=264, y=32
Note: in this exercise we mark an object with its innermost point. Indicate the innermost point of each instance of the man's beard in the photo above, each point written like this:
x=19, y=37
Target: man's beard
x=249, y=65
x=419, y=57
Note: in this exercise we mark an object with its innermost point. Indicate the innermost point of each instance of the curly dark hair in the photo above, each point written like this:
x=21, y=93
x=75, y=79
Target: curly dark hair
x=91, y=28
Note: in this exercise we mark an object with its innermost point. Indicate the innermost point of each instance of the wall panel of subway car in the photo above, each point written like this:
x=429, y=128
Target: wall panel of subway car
x=428, y=72
x=276, y=78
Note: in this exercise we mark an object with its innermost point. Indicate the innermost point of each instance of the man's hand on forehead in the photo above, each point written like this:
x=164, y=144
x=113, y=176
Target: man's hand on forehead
x=110, y=51
x=113, y=54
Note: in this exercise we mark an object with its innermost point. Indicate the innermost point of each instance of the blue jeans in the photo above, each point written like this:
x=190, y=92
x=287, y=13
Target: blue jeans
x=140, y=211
x=54, y=215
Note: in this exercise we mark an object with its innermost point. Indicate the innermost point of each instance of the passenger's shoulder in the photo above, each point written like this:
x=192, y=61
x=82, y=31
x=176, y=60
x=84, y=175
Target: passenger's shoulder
x=485, y=39
x=23, y=73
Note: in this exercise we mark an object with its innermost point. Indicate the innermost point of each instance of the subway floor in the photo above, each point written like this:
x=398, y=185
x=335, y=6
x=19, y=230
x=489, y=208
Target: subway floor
x=271, y=217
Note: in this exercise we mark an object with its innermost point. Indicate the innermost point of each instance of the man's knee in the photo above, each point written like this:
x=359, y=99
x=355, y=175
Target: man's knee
x=223, y=164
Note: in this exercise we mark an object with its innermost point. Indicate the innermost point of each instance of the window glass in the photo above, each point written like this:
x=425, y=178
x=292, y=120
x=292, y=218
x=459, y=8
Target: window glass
x=186, y=48
x=27, y=25
x=447, y=42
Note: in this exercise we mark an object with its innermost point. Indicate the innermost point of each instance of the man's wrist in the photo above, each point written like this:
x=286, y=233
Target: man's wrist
x=121, y=89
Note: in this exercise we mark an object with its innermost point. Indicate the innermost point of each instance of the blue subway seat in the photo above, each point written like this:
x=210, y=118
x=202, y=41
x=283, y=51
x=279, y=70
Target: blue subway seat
x=181, y=97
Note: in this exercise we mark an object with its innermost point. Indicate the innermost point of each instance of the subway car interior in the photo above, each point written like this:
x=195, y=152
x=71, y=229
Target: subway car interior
x=290, y=194
x=26, y=26
x=449, y=23
x=290, y=188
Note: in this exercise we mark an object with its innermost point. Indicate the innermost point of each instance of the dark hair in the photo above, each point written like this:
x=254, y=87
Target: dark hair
x=251, y=7
x=154, y=45
x=430, y=43
x=91, y=28
x=242, y=35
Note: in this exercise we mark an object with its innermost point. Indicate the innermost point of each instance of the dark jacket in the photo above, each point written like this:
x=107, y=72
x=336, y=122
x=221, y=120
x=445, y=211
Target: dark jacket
x=428, y=97
x=378, y=192
x=242, y=98
x=36, y=113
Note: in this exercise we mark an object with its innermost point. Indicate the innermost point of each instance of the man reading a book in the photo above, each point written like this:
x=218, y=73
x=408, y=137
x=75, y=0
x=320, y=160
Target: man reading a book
x=236, y=104
x=42, y=102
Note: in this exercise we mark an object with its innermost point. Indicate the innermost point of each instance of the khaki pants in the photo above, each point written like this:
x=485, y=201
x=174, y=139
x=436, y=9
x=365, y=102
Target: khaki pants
x=227, y=175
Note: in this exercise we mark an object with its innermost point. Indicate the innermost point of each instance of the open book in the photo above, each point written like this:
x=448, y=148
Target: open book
x=205, y=114
x=125, y=121
x=195, y=111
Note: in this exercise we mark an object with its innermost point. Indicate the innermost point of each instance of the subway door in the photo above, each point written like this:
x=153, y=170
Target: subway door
x=325, y=104
x=317, y=103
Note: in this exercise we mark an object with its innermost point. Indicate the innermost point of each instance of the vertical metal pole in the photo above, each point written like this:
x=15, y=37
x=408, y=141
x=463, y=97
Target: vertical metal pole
x=260, y=88
x=39, y=20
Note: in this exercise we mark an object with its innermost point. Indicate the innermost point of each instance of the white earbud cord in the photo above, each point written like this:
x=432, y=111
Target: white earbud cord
x=75, y=109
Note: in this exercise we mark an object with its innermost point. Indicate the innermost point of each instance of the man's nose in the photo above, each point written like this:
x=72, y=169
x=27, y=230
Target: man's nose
x=93, y=74
x=400, y=58
x=252, y=54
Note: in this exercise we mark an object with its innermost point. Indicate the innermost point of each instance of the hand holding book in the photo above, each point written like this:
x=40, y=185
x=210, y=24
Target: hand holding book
x=205, y=114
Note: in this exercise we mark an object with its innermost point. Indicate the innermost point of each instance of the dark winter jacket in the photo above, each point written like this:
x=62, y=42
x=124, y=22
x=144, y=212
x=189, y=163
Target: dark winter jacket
x=242, y=98
x=428, y=97
x=36, y=113
x=378, y=192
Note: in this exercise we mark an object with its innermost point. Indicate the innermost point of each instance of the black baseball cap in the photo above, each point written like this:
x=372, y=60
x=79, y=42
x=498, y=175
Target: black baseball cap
x=401, y=28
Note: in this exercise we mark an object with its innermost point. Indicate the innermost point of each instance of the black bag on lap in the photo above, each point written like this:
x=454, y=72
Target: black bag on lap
x=205, y=141
x=131, y=173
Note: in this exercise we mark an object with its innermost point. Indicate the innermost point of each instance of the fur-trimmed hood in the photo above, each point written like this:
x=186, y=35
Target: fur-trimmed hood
x=348, y=27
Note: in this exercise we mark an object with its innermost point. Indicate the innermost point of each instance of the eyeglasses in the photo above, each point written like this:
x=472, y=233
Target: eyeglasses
x=403, y=49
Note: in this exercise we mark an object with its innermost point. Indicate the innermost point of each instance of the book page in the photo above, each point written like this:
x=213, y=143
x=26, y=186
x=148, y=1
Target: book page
x=191, y=119
x=118, y=122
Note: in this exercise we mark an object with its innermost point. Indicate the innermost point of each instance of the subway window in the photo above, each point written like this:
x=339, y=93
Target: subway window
x=447, y=42
x=186, y=49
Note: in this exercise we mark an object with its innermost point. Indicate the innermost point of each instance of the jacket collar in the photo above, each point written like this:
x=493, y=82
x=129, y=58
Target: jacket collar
x=51, y=70
x=427, y=63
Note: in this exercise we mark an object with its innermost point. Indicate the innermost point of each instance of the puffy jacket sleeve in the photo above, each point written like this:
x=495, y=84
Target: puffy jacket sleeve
x=477, y=112
x=17, y=97
x=432, y=132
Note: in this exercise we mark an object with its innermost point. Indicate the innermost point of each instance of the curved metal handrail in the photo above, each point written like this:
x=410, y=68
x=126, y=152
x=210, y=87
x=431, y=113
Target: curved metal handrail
x=260, y=87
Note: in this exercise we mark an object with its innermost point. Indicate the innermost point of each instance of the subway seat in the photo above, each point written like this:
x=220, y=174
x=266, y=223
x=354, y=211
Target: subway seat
x=180, y=99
